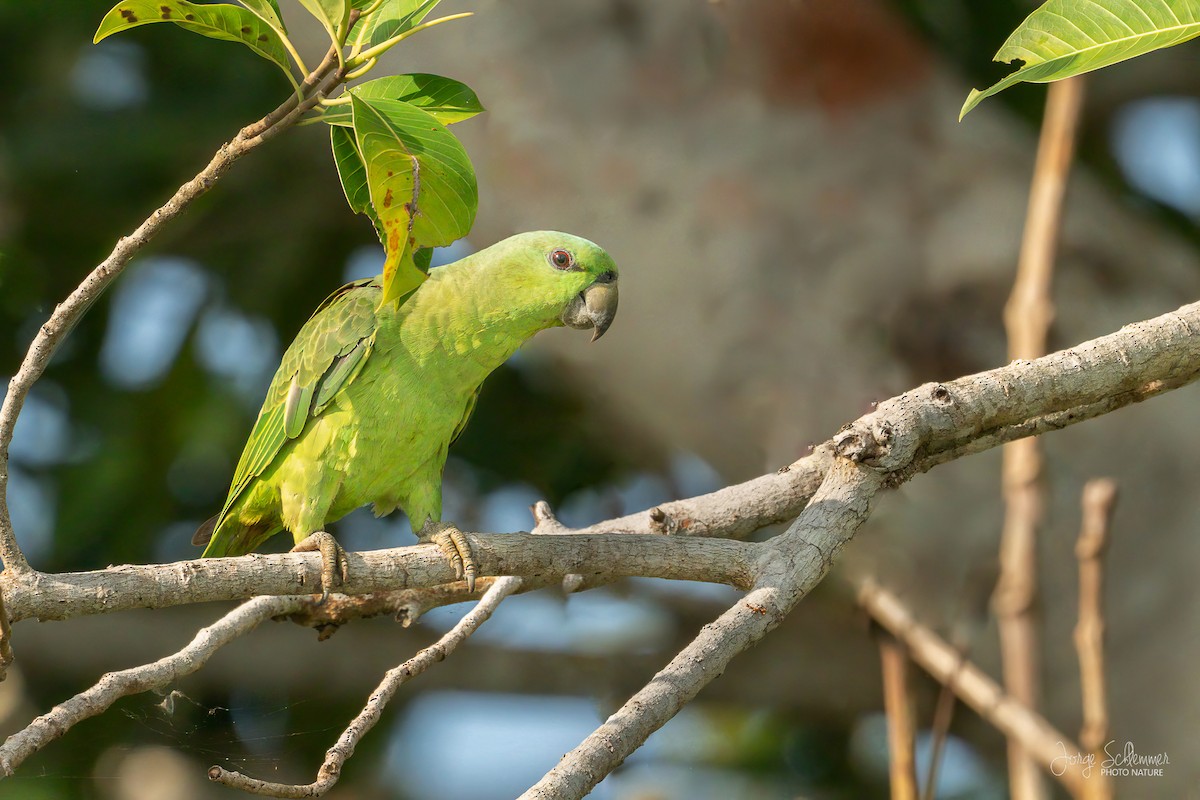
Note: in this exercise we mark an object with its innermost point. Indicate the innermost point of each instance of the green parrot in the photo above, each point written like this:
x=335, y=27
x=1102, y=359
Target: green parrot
x=370, y=395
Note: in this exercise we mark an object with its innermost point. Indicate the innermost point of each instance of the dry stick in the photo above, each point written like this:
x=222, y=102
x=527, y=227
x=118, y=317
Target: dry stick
x=897, y=704
x=943, y=661
x=1099, y=497
x=1027, y=319
x=393, y=679
x=943, y=715
x=68, y=313
x=156, y=675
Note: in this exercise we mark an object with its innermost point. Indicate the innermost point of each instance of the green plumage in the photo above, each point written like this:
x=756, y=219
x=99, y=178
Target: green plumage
x=369, y=397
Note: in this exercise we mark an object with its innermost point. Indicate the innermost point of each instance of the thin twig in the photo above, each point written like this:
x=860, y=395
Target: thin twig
x=897, y=704
x=939, y=731
x=1099, y=498
x=1027, y=319
x=1050, y=748
x=336, y=756
x=156, y=675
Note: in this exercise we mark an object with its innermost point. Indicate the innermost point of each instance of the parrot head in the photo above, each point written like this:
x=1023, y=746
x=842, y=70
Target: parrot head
x=575, y=280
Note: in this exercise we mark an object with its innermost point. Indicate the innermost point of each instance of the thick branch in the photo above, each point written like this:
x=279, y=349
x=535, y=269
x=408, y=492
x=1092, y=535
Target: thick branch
x=115, y=685
x=47, y=596
x=938, y=417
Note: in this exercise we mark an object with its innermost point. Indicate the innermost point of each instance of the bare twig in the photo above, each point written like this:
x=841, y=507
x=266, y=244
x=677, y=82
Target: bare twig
x=68, y=313
x=1099, y=497
x=1027, y=319
x=1049, y=748
x=943, y=715
x=337, y=755
x=897, y=703
x=115, y=685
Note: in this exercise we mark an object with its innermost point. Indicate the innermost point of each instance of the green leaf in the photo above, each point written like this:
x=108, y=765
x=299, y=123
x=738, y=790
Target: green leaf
x=267, y=11
x=353, y=174
x=446, y=100
x=392, y=18
x=420, y=180
x=217, y=21
x=1070, y=37
x=332, y=14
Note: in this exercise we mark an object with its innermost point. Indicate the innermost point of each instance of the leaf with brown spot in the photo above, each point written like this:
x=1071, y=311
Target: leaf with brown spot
x=216, y=20
x=408, y=156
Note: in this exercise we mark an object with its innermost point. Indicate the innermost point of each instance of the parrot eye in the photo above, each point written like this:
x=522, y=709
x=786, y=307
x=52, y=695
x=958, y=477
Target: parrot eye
x=562, y=259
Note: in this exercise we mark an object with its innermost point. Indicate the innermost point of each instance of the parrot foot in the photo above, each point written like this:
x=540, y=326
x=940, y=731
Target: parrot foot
x=333, y=558
x=455, y=547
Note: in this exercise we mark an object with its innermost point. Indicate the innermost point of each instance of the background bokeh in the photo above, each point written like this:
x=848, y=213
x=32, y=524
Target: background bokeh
x=803, y=227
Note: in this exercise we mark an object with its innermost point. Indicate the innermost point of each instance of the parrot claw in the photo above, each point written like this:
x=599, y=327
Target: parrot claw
x=456, y=548
x=332, y=555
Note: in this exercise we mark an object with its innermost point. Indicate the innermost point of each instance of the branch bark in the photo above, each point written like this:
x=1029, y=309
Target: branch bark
x=47, y=597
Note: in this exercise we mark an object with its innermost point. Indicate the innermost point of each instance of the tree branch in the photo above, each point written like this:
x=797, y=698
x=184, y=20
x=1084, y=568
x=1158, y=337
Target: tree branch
x=1099, y=498
x=156, y=675
x=47, y=597
x=337, y=755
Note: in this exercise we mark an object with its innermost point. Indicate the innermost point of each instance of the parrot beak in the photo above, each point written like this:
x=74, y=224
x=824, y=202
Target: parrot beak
x=595, y=307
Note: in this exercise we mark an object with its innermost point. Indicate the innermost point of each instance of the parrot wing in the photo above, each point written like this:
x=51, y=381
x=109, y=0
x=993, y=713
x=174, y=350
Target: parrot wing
x=466, y=417
x=325, y=357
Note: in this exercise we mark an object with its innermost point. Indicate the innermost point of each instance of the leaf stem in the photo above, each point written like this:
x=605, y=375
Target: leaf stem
x=291, y=48
x=374, y=52
x=358, y=72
